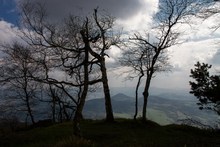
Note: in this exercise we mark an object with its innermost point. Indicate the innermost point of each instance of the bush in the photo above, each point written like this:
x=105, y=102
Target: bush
x=10, y=124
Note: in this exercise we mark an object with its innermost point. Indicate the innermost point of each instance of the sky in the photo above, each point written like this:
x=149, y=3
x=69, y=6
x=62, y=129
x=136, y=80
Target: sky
x=200, y=43
x=8, y=11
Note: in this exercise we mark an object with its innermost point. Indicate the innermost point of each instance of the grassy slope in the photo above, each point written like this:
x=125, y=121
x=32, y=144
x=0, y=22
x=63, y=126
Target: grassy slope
x=121, y=133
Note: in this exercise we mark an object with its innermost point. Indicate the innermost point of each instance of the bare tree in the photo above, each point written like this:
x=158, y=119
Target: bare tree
x=150, y=52
x=75, y=47
x=103, y=38
x=15, y=69
x=88, y=38
x=139, y=58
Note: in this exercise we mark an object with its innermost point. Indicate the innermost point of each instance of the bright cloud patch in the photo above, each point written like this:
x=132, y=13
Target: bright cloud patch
x=7, y=31
x=142, y=19
x=187, y=54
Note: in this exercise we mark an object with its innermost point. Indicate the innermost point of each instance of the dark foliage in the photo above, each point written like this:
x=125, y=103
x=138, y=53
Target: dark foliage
x=205, y=87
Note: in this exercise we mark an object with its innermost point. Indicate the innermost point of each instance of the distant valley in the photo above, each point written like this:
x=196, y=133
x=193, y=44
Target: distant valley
x=164, y=106
x=163, y=110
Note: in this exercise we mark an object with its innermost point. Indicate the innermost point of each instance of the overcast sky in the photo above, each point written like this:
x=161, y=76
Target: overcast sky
x=201, y=44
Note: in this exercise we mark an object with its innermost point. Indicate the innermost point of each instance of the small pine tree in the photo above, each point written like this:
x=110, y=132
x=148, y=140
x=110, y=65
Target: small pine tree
x=205, y=87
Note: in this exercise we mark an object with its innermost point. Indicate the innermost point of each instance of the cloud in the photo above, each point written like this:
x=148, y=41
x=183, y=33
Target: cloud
x=215, y=60
x=7, y=31
x=118, y=8
x=187, y=54
x=173, y=80
x=7, y=34
x=131, y=15
x=136, y=15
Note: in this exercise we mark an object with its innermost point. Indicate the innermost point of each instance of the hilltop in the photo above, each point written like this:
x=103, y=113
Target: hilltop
x=121, y=133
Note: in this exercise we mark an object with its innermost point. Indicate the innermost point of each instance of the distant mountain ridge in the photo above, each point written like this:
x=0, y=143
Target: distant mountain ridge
x=164, y=108
x=122, y=97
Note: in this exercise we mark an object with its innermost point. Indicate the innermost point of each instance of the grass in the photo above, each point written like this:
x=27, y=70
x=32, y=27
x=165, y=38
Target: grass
x=159, y=116
x=45, y=136
x=121, y=133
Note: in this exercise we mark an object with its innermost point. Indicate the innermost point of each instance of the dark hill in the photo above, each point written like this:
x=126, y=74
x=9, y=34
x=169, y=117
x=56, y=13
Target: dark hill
x=119, y=134
x=122, y=97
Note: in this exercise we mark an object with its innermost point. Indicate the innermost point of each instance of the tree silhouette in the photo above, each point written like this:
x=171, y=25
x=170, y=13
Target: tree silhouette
x=15, y=76
x=75, y=47
x=139, y=57
x=165, y=34
x=205, y=87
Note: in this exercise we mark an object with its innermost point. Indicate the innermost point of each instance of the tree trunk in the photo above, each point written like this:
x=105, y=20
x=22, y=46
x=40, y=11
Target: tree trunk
x=144, y=113
x=53, y=110
x=108, y=105
x=79, y=108
x=52, y=92
x=136, y=96
x=27, y=97
x=82, y=99
x=27, y=100
x=146, y=95
x=77, y=118
x=78, y=114
x=29, y=110
x=67, y=117
x=60, y=112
